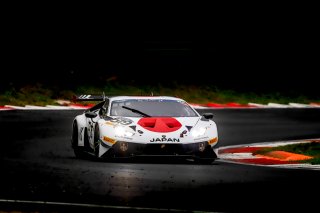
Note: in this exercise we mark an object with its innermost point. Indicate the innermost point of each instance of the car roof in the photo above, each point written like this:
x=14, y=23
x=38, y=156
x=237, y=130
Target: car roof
x=117, y=98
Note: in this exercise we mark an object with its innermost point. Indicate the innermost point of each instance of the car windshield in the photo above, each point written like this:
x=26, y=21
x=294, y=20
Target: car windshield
x=151, y=107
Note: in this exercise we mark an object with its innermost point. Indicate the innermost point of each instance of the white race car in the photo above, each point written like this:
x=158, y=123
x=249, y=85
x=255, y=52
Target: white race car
x=129, y=126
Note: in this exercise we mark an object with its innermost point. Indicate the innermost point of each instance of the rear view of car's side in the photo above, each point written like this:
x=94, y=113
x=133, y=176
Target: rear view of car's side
x=131, y=126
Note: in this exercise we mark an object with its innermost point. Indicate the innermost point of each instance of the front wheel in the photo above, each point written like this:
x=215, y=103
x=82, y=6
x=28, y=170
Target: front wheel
x=96, y=141
x=206, y=157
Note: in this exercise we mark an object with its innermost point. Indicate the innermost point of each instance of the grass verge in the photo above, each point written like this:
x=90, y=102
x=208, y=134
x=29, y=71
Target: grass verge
x=40, y=95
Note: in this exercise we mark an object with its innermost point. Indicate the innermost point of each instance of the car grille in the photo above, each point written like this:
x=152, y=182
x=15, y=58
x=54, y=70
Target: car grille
x=158, y=149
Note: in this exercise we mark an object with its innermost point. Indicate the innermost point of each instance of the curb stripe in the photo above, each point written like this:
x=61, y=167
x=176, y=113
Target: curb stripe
x=299, y=105
x=243, y=154
x=5, y=108
x=258, y=105
x=36, y=107
x=278, y=105
x=15, y=107
x=58, y=107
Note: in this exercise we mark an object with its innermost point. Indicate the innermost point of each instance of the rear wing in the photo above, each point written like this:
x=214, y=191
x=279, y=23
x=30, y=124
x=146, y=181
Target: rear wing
x=90, y=97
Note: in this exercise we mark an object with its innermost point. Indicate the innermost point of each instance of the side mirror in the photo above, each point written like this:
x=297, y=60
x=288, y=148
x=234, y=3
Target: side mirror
x=90, y=114
x=207, y=115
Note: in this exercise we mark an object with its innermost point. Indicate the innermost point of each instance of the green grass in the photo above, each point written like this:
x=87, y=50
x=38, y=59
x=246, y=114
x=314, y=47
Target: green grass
x=310, y=149
x=40, y=95
x=32, y=95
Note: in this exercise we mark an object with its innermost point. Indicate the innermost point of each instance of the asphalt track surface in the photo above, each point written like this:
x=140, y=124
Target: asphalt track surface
x=37, y=163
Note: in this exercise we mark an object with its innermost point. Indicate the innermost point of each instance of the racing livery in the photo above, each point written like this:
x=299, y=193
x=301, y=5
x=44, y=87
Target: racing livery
x=129, y=126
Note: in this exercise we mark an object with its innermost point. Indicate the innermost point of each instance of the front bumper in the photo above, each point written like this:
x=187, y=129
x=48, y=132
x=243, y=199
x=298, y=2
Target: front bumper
x=194, y=150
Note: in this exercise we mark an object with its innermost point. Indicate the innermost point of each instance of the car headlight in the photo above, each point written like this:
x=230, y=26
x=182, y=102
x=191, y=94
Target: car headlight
x=198, y=132
x=121, y=131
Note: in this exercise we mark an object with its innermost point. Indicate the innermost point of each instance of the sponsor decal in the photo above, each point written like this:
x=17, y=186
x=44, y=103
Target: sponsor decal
x=90, y=130
x=183, y=133
x=109, y=123
x=213, y=140
x=202, y=138
x=81, y=130
x=165, y=139
x=110, y=140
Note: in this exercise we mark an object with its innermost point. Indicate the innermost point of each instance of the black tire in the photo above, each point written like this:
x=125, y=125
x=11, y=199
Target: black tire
x=78, y=151
x=96, y=141
x=86, y=144
x=207, y=157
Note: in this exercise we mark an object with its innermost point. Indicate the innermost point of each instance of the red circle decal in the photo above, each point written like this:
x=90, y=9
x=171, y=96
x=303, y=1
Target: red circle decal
x=160, y=124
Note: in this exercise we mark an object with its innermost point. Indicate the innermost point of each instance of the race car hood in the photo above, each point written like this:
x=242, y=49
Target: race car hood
x=161, y=129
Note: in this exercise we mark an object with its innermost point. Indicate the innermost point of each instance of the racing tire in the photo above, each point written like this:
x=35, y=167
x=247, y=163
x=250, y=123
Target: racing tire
x=96, y=141
x=78, y=151
x=208, y=157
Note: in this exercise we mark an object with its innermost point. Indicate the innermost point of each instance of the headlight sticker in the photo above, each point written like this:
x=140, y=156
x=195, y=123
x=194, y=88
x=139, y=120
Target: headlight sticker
x=110, y=140
x=213, y=140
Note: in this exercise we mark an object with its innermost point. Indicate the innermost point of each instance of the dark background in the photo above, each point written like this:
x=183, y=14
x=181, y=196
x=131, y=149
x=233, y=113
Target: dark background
x=255, y=51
